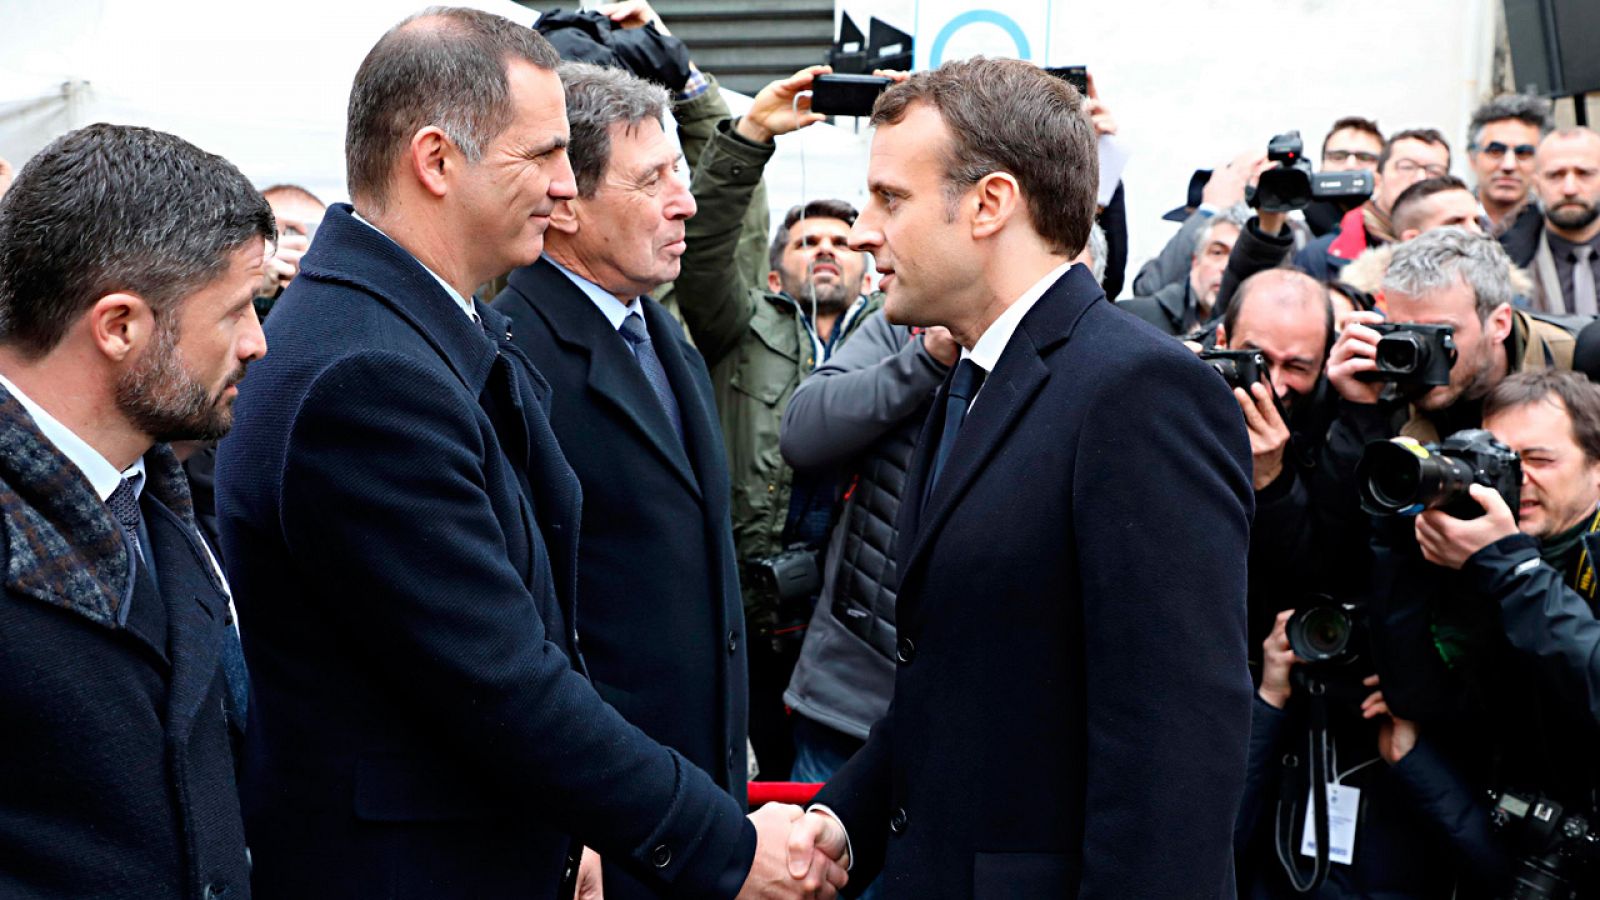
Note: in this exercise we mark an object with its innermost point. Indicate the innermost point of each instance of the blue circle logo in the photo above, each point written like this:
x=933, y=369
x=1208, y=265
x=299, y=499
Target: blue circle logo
x=978, y=17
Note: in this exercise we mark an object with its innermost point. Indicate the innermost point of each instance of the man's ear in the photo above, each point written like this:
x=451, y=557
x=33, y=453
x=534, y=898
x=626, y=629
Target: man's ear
x=998, y=198
x=1499, y=324
x=432, y=156
x=564, y=218
x=1222, y=336
x=774, y=282
x=121, y=325
x=1409, y=233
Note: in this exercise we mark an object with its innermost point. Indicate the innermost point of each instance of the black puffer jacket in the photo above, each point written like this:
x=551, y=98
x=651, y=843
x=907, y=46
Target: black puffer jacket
x=861, y=411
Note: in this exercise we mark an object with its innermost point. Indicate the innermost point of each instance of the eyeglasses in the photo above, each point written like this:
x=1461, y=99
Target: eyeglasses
x=1408, y=167
x=1340, y=156
x=1496, y=150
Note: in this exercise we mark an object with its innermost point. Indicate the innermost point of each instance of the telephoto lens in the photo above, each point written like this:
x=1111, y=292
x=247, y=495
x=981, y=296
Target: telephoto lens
x=1402, y=477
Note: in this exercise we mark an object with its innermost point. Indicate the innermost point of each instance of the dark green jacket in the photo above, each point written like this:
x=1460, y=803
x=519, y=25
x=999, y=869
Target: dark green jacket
x=757, y=345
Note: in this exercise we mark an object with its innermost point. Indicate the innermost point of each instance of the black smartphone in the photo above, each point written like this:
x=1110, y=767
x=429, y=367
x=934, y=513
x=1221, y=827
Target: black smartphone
x=1077, y=76
x=846, y=95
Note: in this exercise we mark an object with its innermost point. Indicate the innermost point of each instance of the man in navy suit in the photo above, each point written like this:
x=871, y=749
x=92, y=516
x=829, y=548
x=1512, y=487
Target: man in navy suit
x=128, y=258
x=662, y=621
x=402, y=528
x=1071, y=705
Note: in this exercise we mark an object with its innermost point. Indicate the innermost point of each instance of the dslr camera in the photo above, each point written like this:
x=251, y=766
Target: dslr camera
x=1556, y=849
x=1291, y=185
x=788, y=581
x=1412, y=354
x=1240, y=368
x=1403, y=477
x=1333, y=640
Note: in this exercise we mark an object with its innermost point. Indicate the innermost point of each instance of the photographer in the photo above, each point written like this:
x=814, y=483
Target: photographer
x=1538, y=567
x=1285, y=317
x=1405, y=825
x=1446, y=277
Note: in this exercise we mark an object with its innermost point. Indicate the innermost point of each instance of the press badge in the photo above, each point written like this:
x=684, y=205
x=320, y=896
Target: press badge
x=1343, y=804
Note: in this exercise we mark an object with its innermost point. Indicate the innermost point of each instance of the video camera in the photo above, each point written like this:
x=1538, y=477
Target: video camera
x=1556, y=849
x=1291, y=185
x=1412, y=354
x=1240, y=368
x=1403, y=477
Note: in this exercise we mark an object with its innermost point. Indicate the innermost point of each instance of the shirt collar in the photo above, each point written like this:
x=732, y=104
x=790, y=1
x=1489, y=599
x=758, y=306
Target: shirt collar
x=464, y=302
x=615, y=310
x=986, y=352
x=102, y=475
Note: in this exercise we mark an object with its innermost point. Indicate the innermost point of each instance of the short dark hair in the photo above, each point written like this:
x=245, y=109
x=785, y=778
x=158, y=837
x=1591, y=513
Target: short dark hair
x=816, y=209
x=112, y=208
x=1525, y=108
x=1416, y=193
x=444, y=66
x=1577, y=393
x=1287, y=275
x=1352, y=123
x=293, y=190
x=1005, y=115
x=597, y=98
x=1425, y=135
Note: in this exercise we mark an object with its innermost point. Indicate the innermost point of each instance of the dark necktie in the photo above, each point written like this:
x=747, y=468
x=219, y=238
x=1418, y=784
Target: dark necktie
x=1583, y=287
x=638, y=337
x=124, y=506
x=964, y=384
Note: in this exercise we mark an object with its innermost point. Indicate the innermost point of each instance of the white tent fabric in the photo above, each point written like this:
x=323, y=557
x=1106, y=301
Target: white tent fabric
x=264, y=85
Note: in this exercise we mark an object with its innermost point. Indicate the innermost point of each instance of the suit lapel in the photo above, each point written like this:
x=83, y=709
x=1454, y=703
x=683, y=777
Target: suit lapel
x=614, y=375
x=1006, y=394
x=696, y=406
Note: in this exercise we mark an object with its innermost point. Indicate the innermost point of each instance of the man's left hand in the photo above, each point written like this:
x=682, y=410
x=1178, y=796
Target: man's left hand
x=774, y=110
x=589, y=883
x=632, y=14
x=1268, y=435
x=1448, y=541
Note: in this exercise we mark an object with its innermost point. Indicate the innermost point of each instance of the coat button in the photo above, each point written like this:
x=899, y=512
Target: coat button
x=733, y=641
x=213, y=892
x=905, y=651
x=898, y=820
x=662, y=856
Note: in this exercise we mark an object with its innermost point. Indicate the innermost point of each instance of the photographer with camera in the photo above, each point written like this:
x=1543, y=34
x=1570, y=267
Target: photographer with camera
x=1451, y=336
x=1401, y=823
x=1407, y=158
x=1270, y=346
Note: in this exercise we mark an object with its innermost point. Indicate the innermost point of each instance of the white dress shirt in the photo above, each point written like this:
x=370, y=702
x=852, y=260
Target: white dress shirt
x=615, y=310
x=992, y=343
x=102, y=475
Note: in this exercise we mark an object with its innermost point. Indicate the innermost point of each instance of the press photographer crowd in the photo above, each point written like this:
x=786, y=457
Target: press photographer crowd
x=576, y=512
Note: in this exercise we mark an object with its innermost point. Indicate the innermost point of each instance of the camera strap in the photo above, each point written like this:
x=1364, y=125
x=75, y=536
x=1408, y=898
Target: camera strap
x=1285, y=839
x=1584, y=581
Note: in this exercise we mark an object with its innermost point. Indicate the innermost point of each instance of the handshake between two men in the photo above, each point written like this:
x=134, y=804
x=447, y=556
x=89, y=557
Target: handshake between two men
x=798, y=854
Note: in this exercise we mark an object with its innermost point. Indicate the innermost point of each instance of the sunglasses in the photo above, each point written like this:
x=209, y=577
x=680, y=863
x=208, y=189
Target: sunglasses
x=1497, y=150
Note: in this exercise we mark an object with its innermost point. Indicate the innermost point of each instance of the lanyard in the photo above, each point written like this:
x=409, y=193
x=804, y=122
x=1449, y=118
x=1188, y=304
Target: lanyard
x=1585, y=583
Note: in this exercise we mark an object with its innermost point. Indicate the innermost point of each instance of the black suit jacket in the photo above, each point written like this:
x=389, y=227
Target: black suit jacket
x=116, y=769
x=401, y=529
x=1072, y=706
x=662, y=622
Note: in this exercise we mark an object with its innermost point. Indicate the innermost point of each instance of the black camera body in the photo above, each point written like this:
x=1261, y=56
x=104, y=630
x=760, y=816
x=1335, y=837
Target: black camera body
x=1291, y=185
x=1077, y=76
x=1334, y=641
x=1240, y=368
x=787, y=582
x=1403, y=477
x=1556, y=849
x=1412, y=354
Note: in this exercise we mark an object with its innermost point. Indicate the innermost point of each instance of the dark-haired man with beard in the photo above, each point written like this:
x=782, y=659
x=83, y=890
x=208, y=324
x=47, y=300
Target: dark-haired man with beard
x=127, y=263
x=1566, y=258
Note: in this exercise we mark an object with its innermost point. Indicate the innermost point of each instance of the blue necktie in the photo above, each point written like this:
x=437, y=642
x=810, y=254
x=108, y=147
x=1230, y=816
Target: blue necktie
x=124, y=506
x=964, y=385
x=638, y=337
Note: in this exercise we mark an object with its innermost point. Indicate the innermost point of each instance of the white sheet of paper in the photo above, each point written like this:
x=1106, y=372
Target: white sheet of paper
x=1344, y=802
x=1113, y=159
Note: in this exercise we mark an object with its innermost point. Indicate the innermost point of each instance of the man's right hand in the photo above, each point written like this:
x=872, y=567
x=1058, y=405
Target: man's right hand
x=1276, y=660
x=771, y=874
x=818, y=848
x=1356, y=351
x=1227, y=184
x=284, y=265
x=774, y=110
